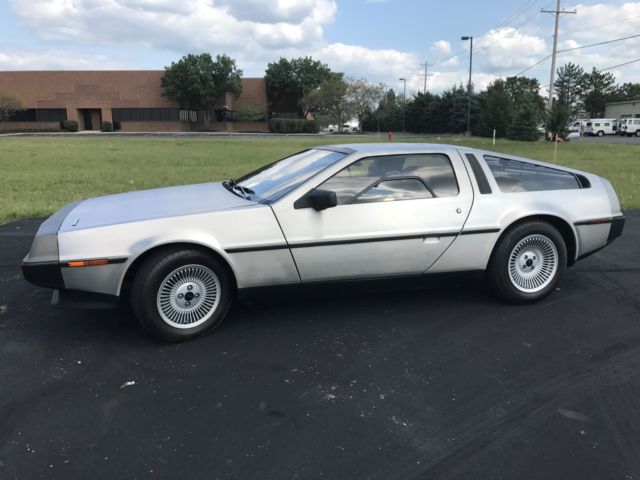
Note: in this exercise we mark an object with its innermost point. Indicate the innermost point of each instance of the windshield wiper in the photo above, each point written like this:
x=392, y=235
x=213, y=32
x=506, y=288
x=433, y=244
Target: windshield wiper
x=233, y=186
x=243, y=189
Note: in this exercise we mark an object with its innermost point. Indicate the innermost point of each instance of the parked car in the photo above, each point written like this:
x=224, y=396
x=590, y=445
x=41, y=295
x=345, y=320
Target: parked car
x=346, y=128
x=331, y=213
x=601, y=127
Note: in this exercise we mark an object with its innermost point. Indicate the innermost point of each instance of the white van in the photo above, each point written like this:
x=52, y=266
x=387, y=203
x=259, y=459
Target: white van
x=576, y=125
x=633, y=127
x=622, y=126
x=601, y=126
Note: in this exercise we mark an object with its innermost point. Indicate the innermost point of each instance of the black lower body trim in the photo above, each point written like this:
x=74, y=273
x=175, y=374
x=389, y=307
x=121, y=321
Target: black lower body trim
x=43, y=274
x=617, y=226
x=75, y=299
x=327, y=243
x=365, y=284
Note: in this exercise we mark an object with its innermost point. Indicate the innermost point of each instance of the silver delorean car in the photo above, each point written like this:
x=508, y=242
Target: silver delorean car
x=331, y=213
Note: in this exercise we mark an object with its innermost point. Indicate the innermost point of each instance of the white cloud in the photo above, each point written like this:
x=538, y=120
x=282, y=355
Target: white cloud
x=256, y=32
x=507, y=49
x=57, y=60
x=355, y=60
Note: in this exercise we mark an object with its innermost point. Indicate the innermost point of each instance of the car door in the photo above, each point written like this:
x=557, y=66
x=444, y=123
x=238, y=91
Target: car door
x=395, y=215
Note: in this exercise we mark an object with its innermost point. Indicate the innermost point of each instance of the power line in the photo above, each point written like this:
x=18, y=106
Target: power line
x=577, y=48
x=620, y=65
x=532, y=66
x=511, y=18
x=599, y=43
x=594, y=27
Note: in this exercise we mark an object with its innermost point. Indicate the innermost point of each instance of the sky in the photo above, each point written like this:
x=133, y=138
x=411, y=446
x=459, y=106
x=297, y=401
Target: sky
x=379, y=40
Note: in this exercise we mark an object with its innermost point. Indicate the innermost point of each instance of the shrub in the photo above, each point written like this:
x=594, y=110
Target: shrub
x=292, y=125
x=107, y=127
x=250, y=114
x=69, y=125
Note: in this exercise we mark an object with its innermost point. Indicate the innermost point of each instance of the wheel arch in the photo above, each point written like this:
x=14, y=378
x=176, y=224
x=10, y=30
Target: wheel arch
x=133, y=268
x=564, y=227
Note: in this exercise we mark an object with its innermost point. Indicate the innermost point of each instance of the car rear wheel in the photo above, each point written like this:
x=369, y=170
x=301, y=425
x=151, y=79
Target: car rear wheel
x=527, y=262
x=182, y=293
x=600, y=133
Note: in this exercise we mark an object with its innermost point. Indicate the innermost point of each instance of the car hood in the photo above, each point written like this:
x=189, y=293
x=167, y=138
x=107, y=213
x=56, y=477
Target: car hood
x=152, y=204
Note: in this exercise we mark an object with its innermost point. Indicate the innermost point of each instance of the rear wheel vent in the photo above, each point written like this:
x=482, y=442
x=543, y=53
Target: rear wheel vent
x=584, y=181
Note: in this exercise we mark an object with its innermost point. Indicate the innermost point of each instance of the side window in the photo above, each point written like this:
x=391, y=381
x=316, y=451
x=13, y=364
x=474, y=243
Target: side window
x=394, y=177
x=394, y=189
x=515, y=176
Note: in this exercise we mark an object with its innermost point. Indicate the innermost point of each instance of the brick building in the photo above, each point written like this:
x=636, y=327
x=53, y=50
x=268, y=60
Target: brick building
x=131, y=100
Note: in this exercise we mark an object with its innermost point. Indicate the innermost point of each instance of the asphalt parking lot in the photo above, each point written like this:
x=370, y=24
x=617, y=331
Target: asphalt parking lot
x=439, y=382
x=613, y=139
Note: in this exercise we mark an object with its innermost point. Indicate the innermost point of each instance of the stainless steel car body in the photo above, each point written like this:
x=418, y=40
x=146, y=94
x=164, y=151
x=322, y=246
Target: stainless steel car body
x=276, y=244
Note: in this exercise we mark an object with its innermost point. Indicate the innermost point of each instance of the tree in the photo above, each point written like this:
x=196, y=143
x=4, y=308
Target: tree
x=558, y=119
x=495, y=113
x=293, y=79
x=524, y=122
x=624, y=92
x=197, y=81
x=520, y=89
x=331, y=99
x=453, y=109
x=364, y=96
x=570, y=86
x=598, y=87
x=9, y=104
x=388, y=115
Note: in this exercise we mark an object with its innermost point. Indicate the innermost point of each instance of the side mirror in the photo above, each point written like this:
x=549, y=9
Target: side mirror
x=318, y=200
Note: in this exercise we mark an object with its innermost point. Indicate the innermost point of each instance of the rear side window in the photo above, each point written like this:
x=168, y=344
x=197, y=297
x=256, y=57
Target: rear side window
x=515, y=176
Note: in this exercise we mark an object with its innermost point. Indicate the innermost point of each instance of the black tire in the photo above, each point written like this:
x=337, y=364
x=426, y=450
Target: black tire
x=600, y=133
x=501, y=270
x=156, y=270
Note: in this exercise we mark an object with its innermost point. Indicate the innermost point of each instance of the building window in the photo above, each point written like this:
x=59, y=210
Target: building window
x=187, y=115
x=145, y=114
x=39, y=115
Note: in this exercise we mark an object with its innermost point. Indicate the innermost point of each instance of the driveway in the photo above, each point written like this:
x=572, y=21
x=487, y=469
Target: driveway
x=431, y=383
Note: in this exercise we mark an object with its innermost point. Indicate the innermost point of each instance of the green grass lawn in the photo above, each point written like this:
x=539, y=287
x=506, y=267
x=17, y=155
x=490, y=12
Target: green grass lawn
x=40, y=174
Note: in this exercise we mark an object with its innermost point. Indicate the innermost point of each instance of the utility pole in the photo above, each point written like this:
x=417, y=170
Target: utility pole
x=557, y=12
x=426, y=74
x=464, y=39
x=404, y=100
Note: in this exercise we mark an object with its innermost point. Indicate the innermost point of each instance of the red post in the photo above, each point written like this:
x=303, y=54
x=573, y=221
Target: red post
x=390, y=136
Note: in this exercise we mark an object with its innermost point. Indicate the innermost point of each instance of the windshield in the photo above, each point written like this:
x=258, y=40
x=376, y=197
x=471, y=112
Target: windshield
x=273, y=181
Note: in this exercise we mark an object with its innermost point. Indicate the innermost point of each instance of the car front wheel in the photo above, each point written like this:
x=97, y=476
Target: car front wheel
x=179, y=294
x=527, y=262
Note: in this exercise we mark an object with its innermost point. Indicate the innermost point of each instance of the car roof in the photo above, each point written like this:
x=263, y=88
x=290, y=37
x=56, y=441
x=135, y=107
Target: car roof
x=387, y=147
x=402, y=148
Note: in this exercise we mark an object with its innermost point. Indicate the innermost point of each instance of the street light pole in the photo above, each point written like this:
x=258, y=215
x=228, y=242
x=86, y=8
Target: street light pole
x=404, y=100
x=465, y=38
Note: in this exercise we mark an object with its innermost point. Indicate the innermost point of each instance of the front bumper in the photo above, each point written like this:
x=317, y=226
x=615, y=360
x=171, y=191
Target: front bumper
x=74, y=299
x=43, y=274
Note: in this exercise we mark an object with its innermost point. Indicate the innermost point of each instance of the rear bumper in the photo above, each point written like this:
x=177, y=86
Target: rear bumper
x=617, y=226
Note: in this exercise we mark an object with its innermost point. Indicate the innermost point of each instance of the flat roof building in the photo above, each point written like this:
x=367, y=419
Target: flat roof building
x=131, y=100
x=628, y=109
